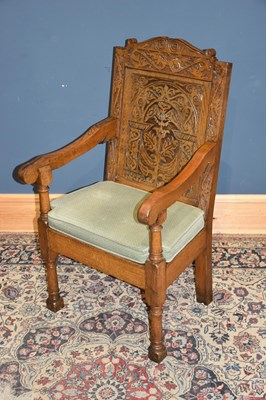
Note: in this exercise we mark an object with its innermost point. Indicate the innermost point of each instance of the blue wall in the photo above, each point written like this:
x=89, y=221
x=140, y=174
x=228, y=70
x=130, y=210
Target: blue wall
x=55, y=69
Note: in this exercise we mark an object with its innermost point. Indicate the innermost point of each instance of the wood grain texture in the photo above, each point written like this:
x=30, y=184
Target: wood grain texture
x=30, y=171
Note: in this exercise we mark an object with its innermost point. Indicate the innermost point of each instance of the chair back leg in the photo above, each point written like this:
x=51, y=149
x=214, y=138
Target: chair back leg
x=203, y=276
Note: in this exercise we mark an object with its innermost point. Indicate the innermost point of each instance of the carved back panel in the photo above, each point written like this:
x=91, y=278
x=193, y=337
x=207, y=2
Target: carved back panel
x=168, y=96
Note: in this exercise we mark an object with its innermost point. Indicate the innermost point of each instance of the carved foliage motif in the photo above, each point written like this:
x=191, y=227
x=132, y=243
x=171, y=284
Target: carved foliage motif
x=191, y=196
x=164, y=113
x=111, y=160
x=205, y=183
x=117, y=87
x=174, y=56
x=170, y=63
x=216, y=104
x=199, y=193
x=162, y=128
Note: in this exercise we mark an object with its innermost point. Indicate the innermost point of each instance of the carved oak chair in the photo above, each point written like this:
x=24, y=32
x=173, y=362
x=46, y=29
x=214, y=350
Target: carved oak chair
x=163, y=136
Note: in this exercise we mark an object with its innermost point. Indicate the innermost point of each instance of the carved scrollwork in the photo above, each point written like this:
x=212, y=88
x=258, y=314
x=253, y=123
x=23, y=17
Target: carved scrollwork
x=169, y=99
x=174, y=56
x=205, y=184
x=171, y=45
x=170, y=63
x=111, y=160
x=161, y=128
x=118, y=73
x=215, y=114
x=199, y=193
x=191, y=196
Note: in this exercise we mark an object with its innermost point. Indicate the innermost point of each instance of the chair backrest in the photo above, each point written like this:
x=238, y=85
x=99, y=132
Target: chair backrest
x=170, y=98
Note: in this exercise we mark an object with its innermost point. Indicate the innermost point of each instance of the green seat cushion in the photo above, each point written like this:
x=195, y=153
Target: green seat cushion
x=105, y=215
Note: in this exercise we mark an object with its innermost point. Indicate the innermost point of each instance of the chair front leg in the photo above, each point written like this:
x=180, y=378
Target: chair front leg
x=155, y=294
x=157, y=349
x=54, y=301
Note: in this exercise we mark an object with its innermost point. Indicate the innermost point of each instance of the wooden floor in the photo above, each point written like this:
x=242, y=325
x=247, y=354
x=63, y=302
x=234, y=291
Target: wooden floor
x=233, y=214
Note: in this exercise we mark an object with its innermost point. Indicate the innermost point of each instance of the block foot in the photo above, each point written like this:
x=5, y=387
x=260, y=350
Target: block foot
x=55, y=305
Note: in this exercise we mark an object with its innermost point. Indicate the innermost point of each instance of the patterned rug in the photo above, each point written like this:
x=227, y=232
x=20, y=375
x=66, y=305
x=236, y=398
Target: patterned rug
x=96, y=347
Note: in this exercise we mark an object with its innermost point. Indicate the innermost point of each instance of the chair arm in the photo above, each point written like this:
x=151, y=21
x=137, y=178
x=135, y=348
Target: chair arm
x=98, y=133
x=162, y=198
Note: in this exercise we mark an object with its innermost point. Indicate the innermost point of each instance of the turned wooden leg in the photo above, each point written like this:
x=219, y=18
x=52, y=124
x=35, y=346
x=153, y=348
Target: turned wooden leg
x=54, y=301
x=203, y=277
x=155, y=293
x=157, y=349
x=43, y=241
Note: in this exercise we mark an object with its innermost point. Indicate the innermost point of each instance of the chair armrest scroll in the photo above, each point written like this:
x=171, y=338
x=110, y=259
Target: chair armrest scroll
x=98, y=133
x=151, y=208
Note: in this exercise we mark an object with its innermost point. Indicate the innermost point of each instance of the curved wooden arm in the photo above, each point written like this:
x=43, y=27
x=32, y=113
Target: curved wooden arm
x=151, y=208
x=98, y=133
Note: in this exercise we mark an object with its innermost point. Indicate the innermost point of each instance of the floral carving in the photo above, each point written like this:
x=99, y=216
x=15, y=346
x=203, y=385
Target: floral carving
x=170, y=98
x=117, y=83
x=175, y=56
x=162, y=128
x=111, y=159
x=191, y=196
x=199, y=193
x=170, y=63
x=215, y=114
x=205, y=186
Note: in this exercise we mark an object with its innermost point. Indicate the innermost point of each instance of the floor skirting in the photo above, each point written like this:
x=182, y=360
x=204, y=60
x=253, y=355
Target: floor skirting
x=244, y=214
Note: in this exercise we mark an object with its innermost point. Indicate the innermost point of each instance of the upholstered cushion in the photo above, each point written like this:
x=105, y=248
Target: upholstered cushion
x=105, y=215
